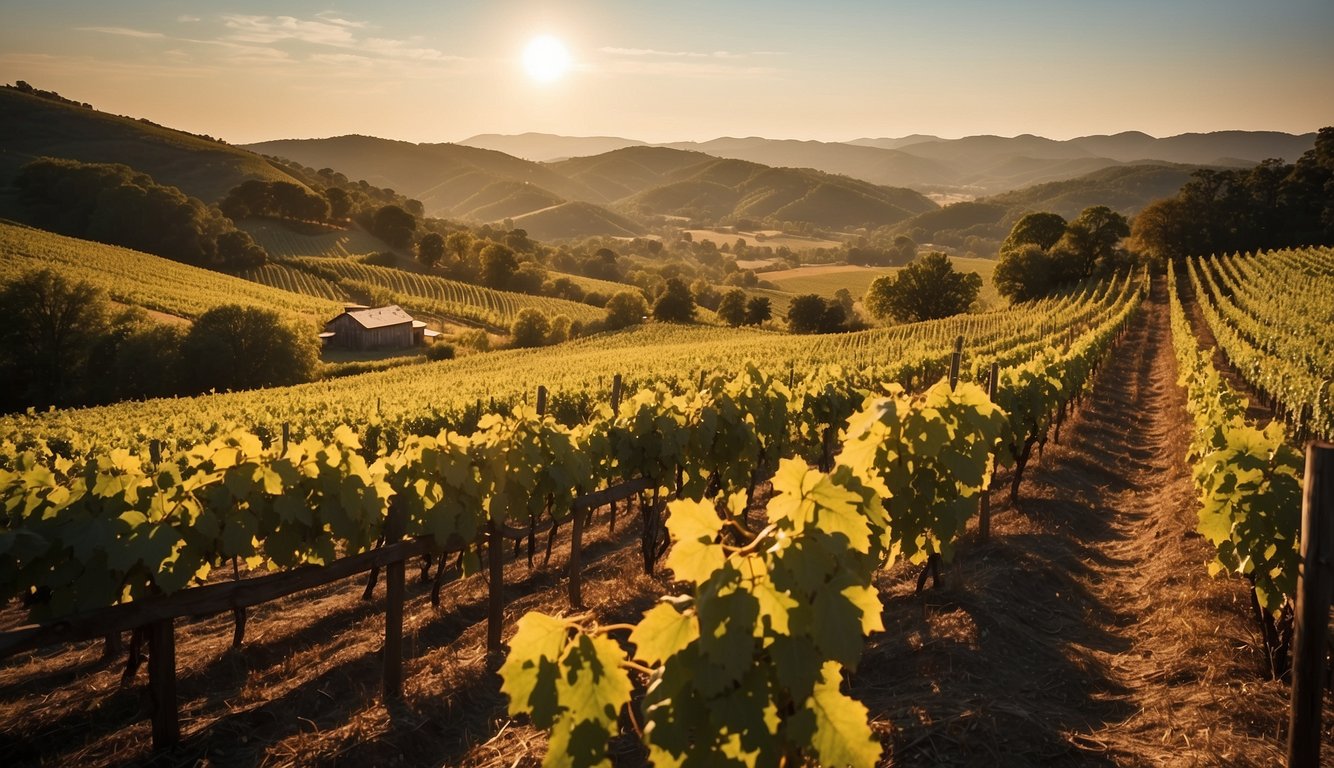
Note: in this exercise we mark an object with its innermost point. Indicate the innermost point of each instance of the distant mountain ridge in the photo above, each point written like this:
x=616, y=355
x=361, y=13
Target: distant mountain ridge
x=974, y=165
x=546, y=147
x=601, y=194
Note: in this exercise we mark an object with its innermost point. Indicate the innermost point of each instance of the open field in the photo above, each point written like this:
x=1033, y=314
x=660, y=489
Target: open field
x=770, y=237
x=826, y=279
x=282, y=242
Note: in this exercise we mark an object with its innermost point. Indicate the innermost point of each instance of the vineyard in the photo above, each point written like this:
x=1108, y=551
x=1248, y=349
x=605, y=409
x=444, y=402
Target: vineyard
x=142, y=280
x=426, y=293
x=425, y=399
x=800, y=491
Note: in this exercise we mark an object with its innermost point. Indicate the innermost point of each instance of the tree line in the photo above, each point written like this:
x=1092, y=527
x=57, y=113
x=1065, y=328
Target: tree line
x=1273, y=205
x=117, y=205
x=64, y=344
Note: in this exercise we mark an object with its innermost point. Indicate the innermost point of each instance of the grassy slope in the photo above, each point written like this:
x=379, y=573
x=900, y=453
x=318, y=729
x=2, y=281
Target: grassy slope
x=282, y=242
x=724, y=188
x=33, y=127
x=576, y=220
x=1125, y=189
x=826, y=280
x=142, y=280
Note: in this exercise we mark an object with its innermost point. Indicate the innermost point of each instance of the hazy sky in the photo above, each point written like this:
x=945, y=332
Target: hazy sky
x=685, y=69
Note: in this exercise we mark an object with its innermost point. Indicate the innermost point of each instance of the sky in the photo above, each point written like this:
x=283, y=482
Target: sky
x=686, y=69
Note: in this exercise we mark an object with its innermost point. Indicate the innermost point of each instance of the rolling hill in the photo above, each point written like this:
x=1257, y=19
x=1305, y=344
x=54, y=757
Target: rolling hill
x=1123, y=188
x=545, y=147
x=571, y=198
x=875, y=165
x=32, y=127
x=450, y=180
x=150, y=282
x=575, y=220
x=984, y=165
x=697, y=186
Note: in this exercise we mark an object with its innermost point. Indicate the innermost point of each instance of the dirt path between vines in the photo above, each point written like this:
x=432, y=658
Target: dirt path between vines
x=1087, y=632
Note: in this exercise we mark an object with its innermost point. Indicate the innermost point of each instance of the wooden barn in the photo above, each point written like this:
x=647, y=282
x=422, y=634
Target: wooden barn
x=379, y=328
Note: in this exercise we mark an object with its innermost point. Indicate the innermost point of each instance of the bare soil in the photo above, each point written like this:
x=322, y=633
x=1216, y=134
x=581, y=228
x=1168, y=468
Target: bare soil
x=1086, y=631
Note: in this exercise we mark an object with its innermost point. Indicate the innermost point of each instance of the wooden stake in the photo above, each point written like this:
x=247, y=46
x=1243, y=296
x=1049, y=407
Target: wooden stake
x=984, y=503
x=1315, y=589
x=616, y=394
x=541, y=400
x=576, y=546
x=162, y=684
x=955, y=360
x=495, y=552
x=394, y=577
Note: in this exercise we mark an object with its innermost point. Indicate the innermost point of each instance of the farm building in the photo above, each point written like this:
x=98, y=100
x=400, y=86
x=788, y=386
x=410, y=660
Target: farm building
x=379, y=328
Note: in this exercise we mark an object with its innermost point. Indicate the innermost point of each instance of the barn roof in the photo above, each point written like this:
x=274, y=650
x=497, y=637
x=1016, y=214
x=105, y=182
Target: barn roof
x=380, y=317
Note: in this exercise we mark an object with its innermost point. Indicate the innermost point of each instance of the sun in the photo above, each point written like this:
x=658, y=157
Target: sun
x=546, y=59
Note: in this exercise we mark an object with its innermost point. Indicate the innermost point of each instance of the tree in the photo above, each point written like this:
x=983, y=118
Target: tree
x=276, y=199
x=394, y=225
x=530, y=328
x=624, y=309
x=705, y=294
x=675, y=304
x=806, y=313
x=51, y=325
x=1023, y=273
x=1090, y=244
x=498, y=266
x=926, y=289
x=431, y=249
x=340, y=203
x=118, y=205
x=844, y=299
x=732, y=307
x=528, y=278
x=563, y=288
x=1041, y=229
x=562, y=329
x=759, y=310
x=233, y=347
x=834, y=319
x=459, y=244
x=1162, y=232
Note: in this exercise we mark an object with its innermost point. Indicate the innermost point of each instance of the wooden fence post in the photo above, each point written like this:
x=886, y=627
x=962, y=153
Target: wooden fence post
x=576, y=546
x=394, y=578
x=495, y=554
x=162, y=684
x=1315, y=589
x=984, y=503
x=955, y=361
x=541, y=400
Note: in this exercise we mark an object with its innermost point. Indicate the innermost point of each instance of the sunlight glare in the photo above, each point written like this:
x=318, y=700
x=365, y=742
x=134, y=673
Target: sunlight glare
x=546, y=59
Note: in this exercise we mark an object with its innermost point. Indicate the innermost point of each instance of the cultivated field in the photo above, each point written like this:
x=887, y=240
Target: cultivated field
x=770, y=237
x=1088, y=618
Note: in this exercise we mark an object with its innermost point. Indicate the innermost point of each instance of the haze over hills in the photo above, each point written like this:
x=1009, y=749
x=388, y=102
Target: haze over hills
x=619, y=191
x=449, y=179
x=980, y=225
x=546, y=147
x=611, y=188
x=978, y=165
